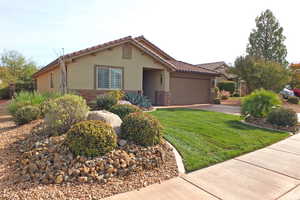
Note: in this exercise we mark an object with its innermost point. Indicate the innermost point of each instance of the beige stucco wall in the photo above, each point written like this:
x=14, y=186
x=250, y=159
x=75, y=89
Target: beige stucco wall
x=43, y=81
x=81, y=71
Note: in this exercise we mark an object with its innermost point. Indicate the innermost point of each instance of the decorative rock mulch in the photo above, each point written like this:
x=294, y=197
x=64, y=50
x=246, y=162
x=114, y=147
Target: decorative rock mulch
x=45, y=168
x=263, y=123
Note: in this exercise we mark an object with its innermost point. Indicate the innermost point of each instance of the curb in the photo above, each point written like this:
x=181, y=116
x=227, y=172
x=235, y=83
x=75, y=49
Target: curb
x=178, y=159
x=152, y=110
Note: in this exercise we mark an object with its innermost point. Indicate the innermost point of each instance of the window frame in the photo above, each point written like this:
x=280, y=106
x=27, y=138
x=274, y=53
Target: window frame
x=96, y=82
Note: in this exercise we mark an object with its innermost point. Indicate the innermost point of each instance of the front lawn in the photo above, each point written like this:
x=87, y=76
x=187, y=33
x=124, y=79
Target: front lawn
x=204, y=138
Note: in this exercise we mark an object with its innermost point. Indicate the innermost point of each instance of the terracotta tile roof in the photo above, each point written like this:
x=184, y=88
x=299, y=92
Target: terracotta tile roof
x=141, y=43
x=215, y=66
x=186, y=67
x=212, y=66
x=153, y=47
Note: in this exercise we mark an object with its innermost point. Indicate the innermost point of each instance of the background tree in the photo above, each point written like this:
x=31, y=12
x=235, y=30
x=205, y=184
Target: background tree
x=15, y=68
x=266, y=40
x=259, y=73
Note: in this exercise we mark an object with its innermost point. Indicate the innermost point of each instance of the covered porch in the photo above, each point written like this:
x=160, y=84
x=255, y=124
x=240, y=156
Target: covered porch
x=155, y=85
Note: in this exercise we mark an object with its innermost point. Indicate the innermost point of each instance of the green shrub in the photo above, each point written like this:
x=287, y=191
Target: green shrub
x=217, y=101
x=105, y=102
x=26, y=114
x=293, y=99
x=45, y=107
x=138, y=100
x=118, y=94
x=236, y=95
x=141, y=128
x=29, y=98
x=227, y=86
x=283, y=117
x=124, y=109
x=91, y=138
x=259, y=103
x=4, y=93
x=64, y=112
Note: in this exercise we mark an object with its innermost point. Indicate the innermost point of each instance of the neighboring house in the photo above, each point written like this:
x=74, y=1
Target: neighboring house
x=295, y=67
x=222, y=68
x=132, y=65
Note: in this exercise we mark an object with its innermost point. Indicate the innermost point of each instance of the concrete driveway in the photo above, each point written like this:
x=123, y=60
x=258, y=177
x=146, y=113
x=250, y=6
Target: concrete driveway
x=268, y=174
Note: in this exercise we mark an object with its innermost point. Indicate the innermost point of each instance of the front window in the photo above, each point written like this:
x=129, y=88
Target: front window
x=109, y=77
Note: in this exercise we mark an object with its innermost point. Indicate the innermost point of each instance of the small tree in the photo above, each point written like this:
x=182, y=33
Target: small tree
x=15, y=68
x=266, y=40
x=259, y=73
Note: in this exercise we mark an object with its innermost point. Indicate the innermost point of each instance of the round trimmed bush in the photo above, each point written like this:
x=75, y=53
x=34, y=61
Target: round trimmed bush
x=259, y=103
x=123, y=110
x=65, y=111
x=141, y=128
x=26, y=114
x=105, y=102
x=91, y=138
x=283, y=117
x=293, y=100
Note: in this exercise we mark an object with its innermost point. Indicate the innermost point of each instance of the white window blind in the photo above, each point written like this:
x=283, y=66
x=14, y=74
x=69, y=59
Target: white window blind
x=109, y=78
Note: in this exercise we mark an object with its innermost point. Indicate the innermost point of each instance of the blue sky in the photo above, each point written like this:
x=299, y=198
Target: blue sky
x=193, y=31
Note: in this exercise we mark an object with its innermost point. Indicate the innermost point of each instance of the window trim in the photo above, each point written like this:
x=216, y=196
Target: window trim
x=107, y=66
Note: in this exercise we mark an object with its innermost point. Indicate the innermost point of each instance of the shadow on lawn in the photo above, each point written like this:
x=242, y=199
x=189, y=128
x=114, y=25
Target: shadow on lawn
x=239, y=125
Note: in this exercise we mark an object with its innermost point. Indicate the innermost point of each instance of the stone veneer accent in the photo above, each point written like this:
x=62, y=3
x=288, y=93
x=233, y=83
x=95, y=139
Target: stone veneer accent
x=162, y=98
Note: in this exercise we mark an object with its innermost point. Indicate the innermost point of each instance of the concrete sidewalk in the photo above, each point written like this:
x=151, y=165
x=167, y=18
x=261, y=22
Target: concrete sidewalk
x=268, y=174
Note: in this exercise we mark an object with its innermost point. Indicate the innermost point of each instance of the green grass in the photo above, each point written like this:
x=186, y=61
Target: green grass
x=204, y=138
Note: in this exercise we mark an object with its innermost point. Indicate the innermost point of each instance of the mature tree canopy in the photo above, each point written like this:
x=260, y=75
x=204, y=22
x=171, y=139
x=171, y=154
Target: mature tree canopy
x=15, y=68
x=266, y=40
x=260, y=73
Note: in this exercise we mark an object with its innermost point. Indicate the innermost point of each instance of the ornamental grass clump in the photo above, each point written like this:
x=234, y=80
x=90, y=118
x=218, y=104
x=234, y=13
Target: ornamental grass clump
x=141, y=128
x=91, y=138
x=64, y=112
x=105, y=102
x=25, y=98
x=259, y=103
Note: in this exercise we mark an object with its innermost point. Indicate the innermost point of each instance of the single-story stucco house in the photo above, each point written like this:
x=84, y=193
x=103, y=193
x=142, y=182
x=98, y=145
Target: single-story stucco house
x=220, y=67
x=133, y=65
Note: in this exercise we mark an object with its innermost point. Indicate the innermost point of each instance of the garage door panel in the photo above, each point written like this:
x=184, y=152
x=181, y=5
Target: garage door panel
x=189, y=91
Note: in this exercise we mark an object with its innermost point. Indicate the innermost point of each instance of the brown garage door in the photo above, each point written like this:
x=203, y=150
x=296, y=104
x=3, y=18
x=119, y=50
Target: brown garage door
x=189, y=91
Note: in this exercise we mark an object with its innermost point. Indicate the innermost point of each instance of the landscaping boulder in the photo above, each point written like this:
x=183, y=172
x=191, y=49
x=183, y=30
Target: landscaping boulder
x=107, y=117
x=124, y=102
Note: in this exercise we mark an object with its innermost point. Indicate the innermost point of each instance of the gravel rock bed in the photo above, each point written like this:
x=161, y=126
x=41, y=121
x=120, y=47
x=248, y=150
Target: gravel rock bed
x=36, y=166
x=264, y=123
